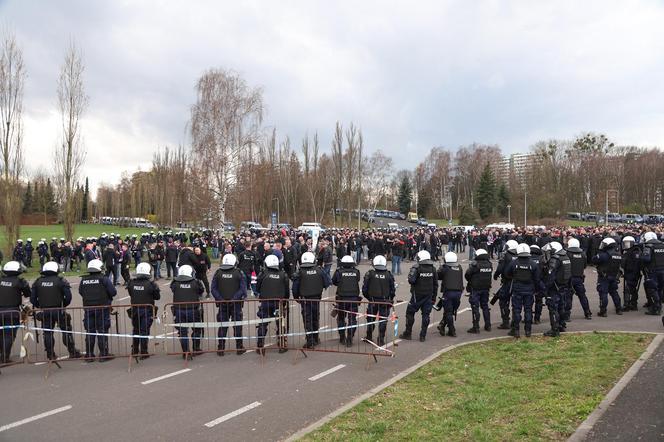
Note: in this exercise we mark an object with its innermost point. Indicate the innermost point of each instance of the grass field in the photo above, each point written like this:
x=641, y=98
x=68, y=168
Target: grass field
x=57, y=230
x=532, y=389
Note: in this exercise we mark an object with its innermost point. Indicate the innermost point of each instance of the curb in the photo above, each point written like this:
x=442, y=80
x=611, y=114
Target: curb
x=325, y=419
x=582, y=431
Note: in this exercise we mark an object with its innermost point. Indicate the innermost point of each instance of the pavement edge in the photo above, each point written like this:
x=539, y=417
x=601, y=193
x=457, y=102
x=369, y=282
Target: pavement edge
x=582, y=431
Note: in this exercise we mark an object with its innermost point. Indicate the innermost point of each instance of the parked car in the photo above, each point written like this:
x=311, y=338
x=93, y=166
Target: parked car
x=252, y=226
x=422, y=222
x=632, y=218
x=228, y=227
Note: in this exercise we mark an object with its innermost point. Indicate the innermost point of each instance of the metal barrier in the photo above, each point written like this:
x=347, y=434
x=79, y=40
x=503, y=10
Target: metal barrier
x=222, y=327
x=101, y=333
x=93, y=333
x=12, y=323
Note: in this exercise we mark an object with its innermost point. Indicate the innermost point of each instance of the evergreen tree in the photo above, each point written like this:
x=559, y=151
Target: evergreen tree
x=467, y=216
x=28, y=199
x=49, y=206
x=424, y=199
x=405, y=195
x=486, y=193
x=86, y=199
x=503, y=199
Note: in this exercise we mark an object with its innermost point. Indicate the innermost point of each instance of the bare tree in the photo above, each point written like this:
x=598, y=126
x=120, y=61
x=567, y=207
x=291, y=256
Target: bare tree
x=225, y=121
x=70, y=152
x=12, y=80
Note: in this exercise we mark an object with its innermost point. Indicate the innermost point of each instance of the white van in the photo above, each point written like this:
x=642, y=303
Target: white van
x=392, y=226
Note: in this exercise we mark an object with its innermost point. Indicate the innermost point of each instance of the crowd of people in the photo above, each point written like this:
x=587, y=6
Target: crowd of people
x=536, y=267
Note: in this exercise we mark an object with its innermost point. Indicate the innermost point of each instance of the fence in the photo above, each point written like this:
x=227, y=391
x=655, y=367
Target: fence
x=136, y=332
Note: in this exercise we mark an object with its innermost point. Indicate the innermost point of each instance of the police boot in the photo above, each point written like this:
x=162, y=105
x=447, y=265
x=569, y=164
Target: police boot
x=239, y=348
x=221, y=347
x=144, y=349
x=381, y=340
x=441, y=326
x=619, y=311
x=528, y=329
x=196, y=345
x=369, y=336
x=536, y=319
x=342, y=337
x=451, y=331
x=476, y=323
x=602, y=313
x=135, y=347
x=349, y=340
x=505, y=316
x=553, y=332
x=71, y=348
x=105, y=355
x=407, y=333
x=512, y=331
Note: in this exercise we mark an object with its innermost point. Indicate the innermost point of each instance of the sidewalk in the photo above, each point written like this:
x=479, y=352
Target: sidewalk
x=638, y=411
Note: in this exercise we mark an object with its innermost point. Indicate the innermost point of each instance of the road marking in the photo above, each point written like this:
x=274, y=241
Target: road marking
x=435, y=324
x=326, y=372
x=126, y=297
x=265, y=346
x=231, y=415
x=166, y=334
x=166, y=376
x=34, y=418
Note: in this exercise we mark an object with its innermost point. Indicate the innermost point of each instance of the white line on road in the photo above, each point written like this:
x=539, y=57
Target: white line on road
x=166, y=334
x=435, y=324
x=34, y=418
x=126, y=297
x=166, y=376
x=399, y=303
x=231, y=415
x=326, y=372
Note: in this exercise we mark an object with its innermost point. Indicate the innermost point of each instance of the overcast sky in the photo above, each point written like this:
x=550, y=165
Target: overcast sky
x=412, y=75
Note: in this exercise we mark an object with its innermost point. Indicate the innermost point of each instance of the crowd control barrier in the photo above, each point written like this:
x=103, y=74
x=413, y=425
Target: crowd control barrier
x=52, y=336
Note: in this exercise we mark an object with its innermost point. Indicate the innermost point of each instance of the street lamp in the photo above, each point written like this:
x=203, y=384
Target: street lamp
x=509, y=213
x=277, y=199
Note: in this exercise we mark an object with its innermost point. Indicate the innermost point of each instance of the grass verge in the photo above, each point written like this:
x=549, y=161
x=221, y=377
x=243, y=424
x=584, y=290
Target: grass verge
x=532, y=389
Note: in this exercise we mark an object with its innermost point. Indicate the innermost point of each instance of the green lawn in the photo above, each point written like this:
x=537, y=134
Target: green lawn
x=531, y=389
x=57, y=230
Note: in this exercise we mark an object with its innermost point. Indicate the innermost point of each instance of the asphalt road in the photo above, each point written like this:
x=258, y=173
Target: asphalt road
x=231, y=398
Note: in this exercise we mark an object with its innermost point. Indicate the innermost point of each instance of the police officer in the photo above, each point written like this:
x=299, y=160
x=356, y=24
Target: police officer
x=308, y=285
x=186, y=292
x=273, y=287
x=608, y=260
x=631, y=267
x=97, y=292
x=505, y=283
x=144, y=292
x=478, y=277
x=379, y=288
x=347, y=280
x=42, y=251
x=28, y=253
x=559, y=273
x=52, y=292
x=578, y=260
x=525, y=278
x=653, y=263
x=229, y=290
x=450, y=275
x=12, y=288
x=537, y=258
x=423, y=288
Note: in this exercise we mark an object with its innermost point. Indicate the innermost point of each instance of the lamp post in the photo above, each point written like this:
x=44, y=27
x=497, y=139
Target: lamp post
x=509, y=214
